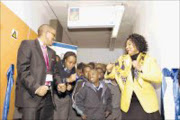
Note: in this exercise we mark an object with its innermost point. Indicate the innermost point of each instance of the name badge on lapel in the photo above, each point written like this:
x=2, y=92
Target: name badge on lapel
x=49, y=77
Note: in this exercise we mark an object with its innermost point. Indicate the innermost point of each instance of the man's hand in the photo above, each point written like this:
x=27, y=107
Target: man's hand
x=107, y=113
x=42, y=90
x=72, y=78
x=84, y=117
x=61, y=87
x=69, y=87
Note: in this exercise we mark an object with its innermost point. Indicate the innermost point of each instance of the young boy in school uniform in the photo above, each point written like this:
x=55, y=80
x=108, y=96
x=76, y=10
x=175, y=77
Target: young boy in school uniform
x=93, y=100
x=79, y=83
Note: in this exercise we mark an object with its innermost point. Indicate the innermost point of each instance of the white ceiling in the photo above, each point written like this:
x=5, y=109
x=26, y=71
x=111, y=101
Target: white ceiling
x=95, y=38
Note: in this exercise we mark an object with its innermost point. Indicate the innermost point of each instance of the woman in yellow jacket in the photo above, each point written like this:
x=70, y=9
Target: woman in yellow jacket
x=134, y=73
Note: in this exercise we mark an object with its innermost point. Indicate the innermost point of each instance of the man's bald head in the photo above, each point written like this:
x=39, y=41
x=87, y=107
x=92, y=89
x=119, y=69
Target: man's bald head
x=44, y=28
x=46, y=34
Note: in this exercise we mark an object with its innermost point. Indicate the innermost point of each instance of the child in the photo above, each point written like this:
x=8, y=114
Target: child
x=80, y=82
x=93, y=100
x=116, y=95
x=101, y=73
x=62, y=97
x=79, y=69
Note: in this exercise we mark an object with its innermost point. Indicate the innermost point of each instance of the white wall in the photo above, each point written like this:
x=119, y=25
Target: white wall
x=98, y=55
x=158, y=21
x=33, y=13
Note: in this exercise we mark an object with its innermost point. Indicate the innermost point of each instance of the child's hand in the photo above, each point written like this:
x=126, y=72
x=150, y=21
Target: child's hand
x=69, y=87
x=61, y=87
x=72, y=78
x=107, y=113
x=84, y=117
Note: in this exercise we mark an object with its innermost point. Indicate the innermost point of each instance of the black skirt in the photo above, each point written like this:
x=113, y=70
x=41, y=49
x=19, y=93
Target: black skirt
x=136, y=112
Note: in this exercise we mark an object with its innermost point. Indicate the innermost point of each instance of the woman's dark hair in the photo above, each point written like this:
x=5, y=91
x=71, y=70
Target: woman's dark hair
x=68, y=54
x=139, y=42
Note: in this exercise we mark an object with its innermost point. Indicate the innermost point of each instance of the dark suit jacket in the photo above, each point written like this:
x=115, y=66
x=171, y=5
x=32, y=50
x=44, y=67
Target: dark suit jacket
x=31, y=70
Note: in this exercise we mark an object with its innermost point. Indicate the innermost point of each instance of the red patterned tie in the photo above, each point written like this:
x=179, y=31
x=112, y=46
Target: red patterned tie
x=46, y=58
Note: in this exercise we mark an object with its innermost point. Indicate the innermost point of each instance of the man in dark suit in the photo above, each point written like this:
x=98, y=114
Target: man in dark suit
x=35, y=61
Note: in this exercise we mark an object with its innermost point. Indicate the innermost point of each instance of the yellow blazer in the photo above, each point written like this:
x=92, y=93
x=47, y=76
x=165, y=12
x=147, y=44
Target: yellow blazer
x=141, y=84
